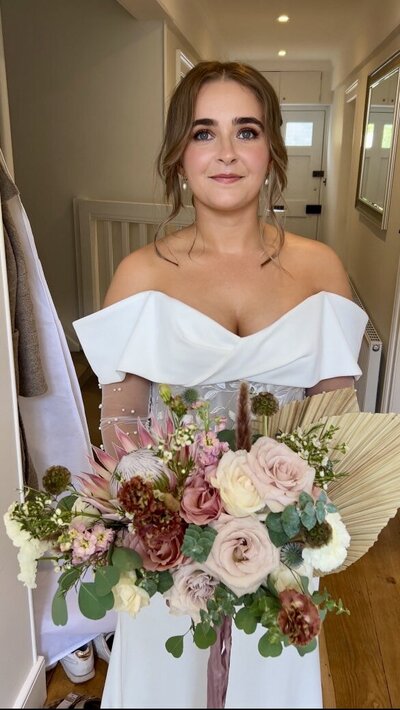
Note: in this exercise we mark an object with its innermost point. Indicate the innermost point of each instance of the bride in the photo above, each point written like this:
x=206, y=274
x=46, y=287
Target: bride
x=228, y=298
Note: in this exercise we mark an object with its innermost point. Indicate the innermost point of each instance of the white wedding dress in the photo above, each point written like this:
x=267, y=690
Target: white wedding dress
x=164, y=340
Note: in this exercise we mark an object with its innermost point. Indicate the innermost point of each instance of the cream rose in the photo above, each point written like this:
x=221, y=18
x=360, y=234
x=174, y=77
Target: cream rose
x=284, y=577
x=190, y=592
x=278, y=473
x=234, y=482
x=129, y=597
x=242, y=554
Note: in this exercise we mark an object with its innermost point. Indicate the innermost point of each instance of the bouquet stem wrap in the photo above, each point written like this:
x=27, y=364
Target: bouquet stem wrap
x=218, y=666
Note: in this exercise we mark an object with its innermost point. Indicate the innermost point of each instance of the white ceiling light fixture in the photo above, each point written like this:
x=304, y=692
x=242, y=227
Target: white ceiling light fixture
x=282, y=53
x=283, y=18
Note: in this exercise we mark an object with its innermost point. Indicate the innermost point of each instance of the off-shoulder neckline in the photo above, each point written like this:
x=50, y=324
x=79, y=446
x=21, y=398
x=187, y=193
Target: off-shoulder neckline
x=216, y=323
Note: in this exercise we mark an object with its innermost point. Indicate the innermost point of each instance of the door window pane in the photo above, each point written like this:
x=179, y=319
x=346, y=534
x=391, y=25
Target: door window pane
x=369, y=136
x=387, y=135
x=299, y=133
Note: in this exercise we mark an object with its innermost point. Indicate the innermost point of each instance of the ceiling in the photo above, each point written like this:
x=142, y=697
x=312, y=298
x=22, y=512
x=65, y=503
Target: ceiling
x=341, y=32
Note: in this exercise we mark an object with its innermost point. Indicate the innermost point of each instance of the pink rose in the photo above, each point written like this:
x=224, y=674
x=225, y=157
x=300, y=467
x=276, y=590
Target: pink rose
x=200, y=502
x=158, y=558
x=191, y=590
x=242, y=555
x=278, y=473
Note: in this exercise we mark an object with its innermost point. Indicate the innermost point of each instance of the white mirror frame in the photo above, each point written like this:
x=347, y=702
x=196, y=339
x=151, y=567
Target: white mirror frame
x=380, y=215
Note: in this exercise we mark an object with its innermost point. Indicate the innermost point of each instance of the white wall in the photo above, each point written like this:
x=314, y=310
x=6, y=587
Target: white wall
x=371, y=256
x=86, y=100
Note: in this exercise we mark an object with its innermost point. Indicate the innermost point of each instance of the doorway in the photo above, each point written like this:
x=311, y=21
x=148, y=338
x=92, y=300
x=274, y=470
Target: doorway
x=303, y=132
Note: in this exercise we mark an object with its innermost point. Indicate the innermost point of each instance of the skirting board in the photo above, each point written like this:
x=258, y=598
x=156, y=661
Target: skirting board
x=33, y=692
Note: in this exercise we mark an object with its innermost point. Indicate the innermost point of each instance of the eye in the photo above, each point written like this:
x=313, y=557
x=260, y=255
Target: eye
x=248, y=133
x=202, y=135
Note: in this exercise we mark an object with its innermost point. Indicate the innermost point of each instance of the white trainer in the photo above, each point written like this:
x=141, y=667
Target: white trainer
x=103, y=645
x=79, y=664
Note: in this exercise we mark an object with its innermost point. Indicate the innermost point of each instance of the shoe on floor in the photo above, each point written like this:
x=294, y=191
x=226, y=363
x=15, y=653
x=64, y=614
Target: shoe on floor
x=79, y=664
x=103, y=645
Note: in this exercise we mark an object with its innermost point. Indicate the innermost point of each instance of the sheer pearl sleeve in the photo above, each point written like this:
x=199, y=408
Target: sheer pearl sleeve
x=123, y=403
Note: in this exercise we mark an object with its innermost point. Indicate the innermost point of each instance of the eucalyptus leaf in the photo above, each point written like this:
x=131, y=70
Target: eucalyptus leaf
x=90, y=604
x=290, y=521
x=198, y=542
x=320, y=511
x=165, y=581
x=59, y=611
x=278, y=538
x=246, y=621
x=126, y=559
x=273, y=522
x=302, y=650
x=229, y=436
x=67, y=579
x=174, y=645
x=308, y=518
x=322, y=613
x=304, y=498
x=267, y=649
x=105, y=579
x=67, y=502
x=203, y=637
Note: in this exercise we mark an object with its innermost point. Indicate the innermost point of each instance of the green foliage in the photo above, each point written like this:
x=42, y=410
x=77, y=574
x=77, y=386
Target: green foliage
x=59, y=611
x=302, y=650
x=105, y=579
x=198, y=542
x=68, y=578
x=125, y=559
x=66, y=503
x=290, y=520
x=269, y=646
x=276, y=532
x=204, y=636
x=91, y=605
x=246, y=620
x=229, y=436
x=154, y=582
x=174, y=645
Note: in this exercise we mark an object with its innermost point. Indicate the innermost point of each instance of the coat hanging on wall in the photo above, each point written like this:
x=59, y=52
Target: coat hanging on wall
x=52, y=412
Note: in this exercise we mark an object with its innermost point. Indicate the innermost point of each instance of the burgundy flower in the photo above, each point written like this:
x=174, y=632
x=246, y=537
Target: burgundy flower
x=156, y=555
x=298, y=618
x=200, y=502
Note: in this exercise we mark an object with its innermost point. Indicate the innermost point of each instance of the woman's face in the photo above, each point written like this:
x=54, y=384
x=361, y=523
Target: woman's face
x=227, y=157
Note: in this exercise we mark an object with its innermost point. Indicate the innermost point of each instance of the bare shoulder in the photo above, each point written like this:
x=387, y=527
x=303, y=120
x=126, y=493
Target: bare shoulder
x=319, y=264
x=135, y=273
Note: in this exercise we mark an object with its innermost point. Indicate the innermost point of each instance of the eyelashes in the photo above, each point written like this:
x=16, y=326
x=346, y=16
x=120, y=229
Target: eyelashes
x=205, y=135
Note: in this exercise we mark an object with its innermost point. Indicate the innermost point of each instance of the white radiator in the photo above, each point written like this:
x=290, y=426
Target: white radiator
x=369, y=361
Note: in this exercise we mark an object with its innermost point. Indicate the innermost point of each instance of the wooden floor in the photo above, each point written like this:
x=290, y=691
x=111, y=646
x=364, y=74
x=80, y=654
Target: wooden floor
x=360, y=653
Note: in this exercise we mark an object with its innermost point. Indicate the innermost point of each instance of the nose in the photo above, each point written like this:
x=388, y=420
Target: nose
x=227, y=153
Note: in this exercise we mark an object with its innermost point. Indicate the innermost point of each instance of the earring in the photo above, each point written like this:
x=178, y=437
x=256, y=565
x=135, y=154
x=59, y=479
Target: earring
x=266, y=181
x=184, y=183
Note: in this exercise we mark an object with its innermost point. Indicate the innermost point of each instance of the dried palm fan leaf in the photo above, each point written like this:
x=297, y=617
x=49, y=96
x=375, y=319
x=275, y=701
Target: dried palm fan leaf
x=307, y=411
x=369, y=495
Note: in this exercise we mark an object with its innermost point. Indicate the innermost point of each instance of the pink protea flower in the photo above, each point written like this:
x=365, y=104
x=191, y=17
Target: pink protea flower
x=298, y=618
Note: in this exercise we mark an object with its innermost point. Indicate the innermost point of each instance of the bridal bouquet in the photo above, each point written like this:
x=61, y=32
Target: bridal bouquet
x=224, y=524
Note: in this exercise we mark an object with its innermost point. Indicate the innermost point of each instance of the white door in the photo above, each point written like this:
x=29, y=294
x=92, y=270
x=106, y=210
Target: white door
x=303, y=133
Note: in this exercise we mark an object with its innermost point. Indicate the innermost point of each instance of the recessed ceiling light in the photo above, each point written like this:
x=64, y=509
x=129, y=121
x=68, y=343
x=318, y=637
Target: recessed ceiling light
x=282, y=52
x=283, y=18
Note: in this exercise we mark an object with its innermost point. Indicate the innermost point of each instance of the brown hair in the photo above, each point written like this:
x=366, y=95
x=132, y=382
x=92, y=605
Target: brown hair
x=179, y=125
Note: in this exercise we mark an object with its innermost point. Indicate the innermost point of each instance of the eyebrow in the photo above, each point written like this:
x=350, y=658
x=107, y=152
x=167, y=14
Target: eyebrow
x=239, y=121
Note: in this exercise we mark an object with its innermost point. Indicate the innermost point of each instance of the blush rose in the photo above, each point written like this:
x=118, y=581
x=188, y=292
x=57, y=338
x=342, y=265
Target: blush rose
x=242, y=554
x=278, y=473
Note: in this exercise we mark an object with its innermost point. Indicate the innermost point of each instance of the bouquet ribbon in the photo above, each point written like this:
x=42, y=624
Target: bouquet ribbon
x=218, y=666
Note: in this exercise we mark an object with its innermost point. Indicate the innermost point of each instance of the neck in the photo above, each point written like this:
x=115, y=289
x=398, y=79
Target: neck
x=235, y=232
